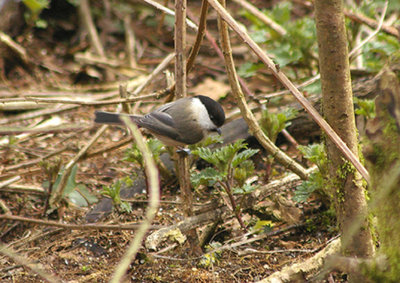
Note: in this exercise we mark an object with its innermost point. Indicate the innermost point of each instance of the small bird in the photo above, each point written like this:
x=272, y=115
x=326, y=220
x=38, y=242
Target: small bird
x=178, y=123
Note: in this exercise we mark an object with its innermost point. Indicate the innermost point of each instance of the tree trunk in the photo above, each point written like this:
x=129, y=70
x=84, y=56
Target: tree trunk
x=337, y=105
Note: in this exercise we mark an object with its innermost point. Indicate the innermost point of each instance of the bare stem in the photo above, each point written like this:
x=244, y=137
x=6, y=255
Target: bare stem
x=154, y=191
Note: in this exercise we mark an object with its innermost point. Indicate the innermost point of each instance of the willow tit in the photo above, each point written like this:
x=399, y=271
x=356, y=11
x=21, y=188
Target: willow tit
x=182, y=122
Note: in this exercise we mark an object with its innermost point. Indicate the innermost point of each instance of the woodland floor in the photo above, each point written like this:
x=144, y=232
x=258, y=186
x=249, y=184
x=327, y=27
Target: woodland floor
x=55, y=71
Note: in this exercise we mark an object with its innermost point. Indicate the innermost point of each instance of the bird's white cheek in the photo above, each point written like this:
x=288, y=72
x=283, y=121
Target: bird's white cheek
x=202, y=115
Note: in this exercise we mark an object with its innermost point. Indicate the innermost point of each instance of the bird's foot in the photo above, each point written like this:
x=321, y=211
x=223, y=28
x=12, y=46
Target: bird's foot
x=183, y=151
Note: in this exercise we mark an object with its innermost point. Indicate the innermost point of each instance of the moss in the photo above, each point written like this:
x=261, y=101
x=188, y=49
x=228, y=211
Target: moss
x=385, y=200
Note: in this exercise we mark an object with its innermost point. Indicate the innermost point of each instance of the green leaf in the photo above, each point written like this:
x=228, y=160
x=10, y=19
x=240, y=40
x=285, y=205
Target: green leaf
x=244, y=190
x=125, y=207
x=78, y=194
x=206, y=154
x=81, y=196
x=366, y=107
x=249, y=69
x=242, y=156
x=36, y=6
x=206, y=177
x=316, y=154
x=264, y=225
x=70, y=186
x=156, y=147
x=243, y=171
x=315, y=183
x=273, y=123
x=313, y=88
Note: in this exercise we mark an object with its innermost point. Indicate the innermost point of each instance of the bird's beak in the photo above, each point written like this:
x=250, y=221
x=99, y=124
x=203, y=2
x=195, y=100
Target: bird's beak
x=218, y=130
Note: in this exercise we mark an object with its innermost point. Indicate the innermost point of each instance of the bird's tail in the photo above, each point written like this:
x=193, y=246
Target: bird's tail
x=102, y=117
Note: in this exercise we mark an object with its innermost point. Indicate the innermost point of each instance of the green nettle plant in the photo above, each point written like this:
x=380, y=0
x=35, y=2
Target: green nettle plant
x=316, y=182
x=114, y=191
x=230, y=171
x=273, y=123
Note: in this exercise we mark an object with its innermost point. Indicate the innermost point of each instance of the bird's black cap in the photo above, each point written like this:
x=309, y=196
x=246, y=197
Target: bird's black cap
x=214, y=109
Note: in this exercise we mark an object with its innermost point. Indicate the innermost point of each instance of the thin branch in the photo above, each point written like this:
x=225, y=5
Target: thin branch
x=289, y=85
x=82, y=102
x=7, y=40
x=352, y=53
x=34, y=161
x=164, y=64
x=180, y=92
x=154, y=191
x=372, y=35
x=42, y=112
x=92, y=103
x=10, y=181
x=86, y=15
x=255, y=128
x=107, y=148
x=199, y=37
x=170, y=12
x=291, y=273
x=97, y=226
x=130, y=41
x=256, y=12
x=41, y=130
x=371, y=22
x=24, y=262
x=59, y=191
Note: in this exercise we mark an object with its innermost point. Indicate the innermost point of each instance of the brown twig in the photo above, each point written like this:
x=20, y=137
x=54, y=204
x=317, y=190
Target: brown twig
x=56, y=129
x=10, y=181
x=256, y=12
x=91, y=103
x=309, y=266
x=296, y=93
x=255, y=128
x=372, y=35
x=130, y=41
x=107, y=148
x=372, y=23
x=169, y=12
x=214, y=44
x=199, y=37
x=24, y=262
x=97, y=226
x=59, y=190
x=154, y=192
x=352, y=53
x=180, y=92
x=86, y=15
x=34, y=161
x=23, y=189
x=7, y=40
x=42, y=112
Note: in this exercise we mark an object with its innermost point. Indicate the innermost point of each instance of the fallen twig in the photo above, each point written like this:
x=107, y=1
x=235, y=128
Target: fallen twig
x=297, y=271
x=59, y=190
x=86, y=15
x=97, y=226
x=24, y=262
x=7, y=40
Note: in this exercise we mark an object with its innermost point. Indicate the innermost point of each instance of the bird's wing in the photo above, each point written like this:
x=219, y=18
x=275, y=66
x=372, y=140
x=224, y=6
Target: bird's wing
x=159, y=123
